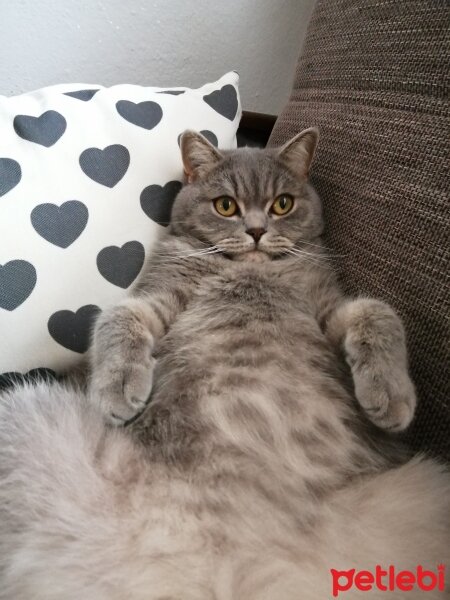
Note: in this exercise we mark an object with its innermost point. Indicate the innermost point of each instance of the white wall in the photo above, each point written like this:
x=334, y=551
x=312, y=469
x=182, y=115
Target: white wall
x=153, y=42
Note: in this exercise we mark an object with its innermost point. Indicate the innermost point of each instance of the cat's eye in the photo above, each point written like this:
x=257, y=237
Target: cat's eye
x=282, y=205
x=225, y=206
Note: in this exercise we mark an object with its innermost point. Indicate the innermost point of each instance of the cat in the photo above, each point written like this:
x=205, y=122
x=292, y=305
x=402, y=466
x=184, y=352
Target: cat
x=236, y=440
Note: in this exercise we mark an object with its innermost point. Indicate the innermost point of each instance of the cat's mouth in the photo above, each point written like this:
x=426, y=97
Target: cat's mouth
x=255, y=256
x=257, y=252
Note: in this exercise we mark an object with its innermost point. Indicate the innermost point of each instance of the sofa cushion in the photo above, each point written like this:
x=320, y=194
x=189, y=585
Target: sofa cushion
x=374, y=77
x=87, y=178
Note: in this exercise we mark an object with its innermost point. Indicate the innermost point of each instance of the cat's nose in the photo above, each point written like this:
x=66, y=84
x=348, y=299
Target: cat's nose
x=256, y=233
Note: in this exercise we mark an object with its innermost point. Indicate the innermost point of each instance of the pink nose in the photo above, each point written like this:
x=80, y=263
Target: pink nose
x=256, y=233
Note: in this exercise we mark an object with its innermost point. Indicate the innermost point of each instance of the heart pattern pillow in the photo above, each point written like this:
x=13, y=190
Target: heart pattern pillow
x=88, y=176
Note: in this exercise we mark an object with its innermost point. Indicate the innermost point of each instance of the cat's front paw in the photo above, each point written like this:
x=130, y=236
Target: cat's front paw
x=386, y=394
x=122, y=394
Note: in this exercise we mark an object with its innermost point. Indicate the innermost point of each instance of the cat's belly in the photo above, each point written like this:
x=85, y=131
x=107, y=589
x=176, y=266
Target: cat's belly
x=239, y=352
x=244, y=333
x=245, y=371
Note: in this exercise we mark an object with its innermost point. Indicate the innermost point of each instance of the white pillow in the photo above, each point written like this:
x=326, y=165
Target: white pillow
x=86, y=173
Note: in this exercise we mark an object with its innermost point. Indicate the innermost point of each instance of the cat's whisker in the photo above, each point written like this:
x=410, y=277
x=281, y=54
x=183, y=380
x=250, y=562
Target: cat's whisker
x=187, y=251
x=327, y=249
x=196, y=251
x=305, y=252
x=315, y=255
x=200, y=254
x=308, y=243
x=323, y=256
x=236, y=246
x=305, y=257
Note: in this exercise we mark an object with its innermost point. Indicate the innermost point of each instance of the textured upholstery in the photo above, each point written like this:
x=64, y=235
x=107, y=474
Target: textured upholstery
x=374, y=77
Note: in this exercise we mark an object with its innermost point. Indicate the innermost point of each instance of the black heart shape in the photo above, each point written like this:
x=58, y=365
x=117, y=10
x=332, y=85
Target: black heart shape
x=144, y=114
x=35, y=375
x=209, y=135
x=60, y=225
x=106, y=166
x=84, y=95
x=157, y=201
x=224, y=101
x=10, y=175
x=72, y=330
x=121, y=266
x=44, y=130
x=17, y=281
x=9, y=379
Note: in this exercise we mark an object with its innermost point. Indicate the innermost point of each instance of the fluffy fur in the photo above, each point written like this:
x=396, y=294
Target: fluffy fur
x=261, y=460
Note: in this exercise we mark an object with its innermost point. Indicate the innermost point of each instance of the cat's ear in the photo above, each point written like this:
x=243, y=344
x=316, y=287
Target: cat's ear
x=298, y=153
x=198, y=155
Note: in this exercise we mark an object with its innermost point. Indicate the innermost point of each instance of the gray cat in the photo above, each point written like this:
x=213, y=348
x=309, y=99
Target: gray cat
x=252, y=392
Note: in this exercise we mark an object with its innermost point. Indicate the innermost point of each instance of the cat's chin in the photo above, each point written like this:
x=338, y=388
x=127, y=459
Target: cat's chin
x=254, y=256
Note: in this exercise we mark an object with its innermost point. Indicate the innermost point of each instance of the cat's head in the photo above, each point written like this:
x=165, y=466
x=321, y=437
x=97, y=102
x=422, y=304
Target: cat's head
x=248, y=203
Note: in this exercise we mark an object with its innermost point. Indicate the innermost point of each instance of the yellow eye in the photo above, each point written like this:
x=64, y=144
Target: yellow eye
x=282, y=205
x=225, y=206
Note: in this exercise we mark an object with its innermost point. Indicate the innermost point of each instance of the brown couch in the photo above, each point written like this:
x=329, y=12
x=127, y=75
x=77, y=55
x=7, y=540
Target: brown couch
x=374, y=77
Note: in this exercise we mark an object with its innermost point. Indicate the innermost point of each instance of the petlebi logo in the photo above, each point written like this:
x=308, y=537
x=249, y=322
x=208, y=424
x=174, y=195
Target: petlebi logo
x=387, y=580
